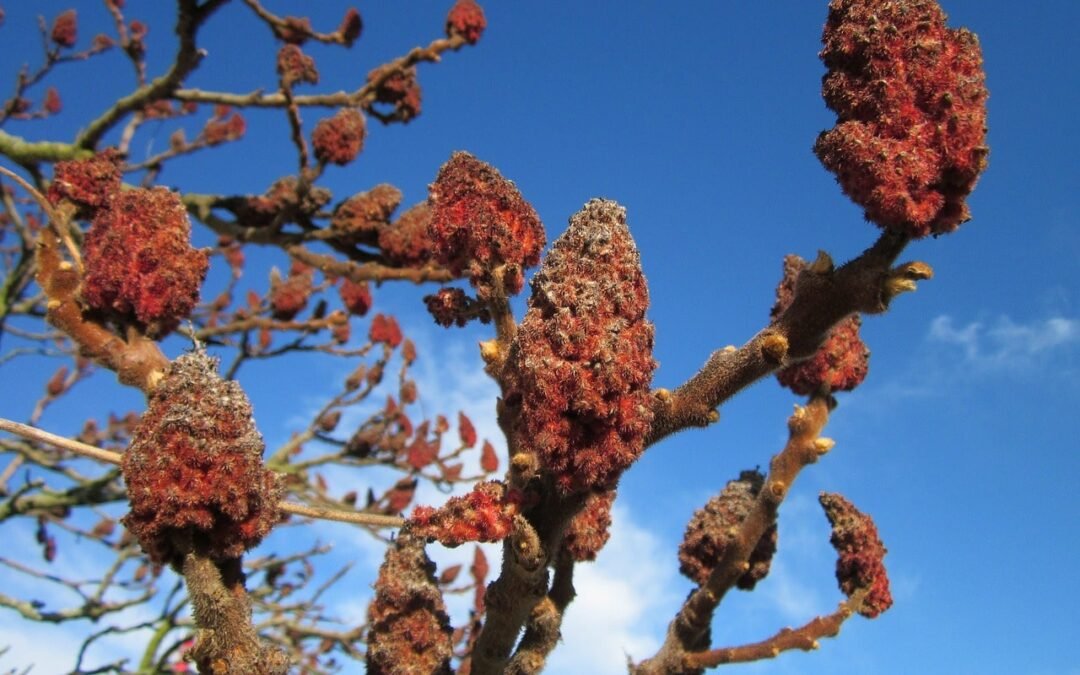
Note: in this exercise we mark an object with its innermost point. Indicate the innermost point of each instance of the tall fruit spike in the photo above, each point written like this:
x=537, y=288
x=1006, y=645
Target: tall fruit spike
x=581, y=363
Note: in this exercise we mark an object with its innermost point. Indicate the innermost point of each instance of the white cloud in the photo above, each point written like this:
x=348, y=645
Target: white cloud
x=625, y=600
x=1006, y=344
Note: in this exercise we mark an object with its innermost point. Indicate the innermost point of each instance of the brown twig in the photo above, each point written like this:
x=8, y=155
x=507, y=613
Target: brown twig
x=542, y=629
x=279, y=24
x=804, y=637
x=371, y=271
x=191, y=17
x=362, y=97
x=692, y=622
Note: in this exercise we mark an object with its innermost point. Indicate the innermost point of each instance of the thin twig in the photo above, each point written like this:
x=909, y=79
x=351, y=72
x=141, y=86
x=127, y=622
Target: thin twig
x=110, y=457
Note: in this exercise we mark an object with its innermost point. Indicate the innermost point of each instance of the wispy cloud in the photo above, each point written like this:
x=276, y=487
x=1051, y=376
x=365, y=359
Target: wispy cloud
x=1005, y=344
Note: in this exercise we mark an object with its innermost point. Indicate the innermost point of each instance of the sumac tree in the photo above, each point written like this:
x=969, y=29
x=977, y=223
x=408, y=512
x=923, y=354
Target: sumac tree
x=100, y=272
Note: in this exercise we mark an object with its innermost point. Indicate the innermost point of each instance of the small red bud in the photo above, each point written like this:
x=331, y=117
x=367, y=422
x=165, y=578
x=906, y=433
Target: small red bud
x=351, y=26
x=52, y=103
x=65, y=29
x=339, y=139
x=466, y=430
x=489, y=461
x=466, y=18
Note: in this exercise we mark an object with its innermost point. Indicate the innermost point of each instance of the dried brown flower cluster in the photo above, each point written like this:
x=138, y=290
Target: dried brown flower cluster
x=590, y=528
x=139, y=263
x=710, y=533
x=485, y=514
x=340, y=138
x=466, y=18
x=194, y=468
x=409, y=629
x=481, y=225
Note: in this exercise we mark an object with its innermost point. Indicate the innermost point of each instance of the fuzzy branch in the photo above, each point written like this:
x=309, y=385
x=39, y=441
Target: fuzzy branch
x=824, y=296
x=691, y=624
x=226, y=641
x=362, y=97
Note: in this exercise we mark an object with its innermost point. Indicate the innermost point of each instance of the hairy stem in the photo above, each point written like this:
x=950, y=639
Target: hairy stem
x=823, y=297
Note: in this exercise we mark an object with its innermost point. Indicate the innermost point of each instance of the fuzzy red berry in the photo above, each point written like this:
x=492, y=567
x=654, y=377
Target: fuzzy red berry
x=581, y=363
x=65, y=29
x=339, y=139
x=194, y=468
x=351, y=26
x=466, y=18
x=399, y=89
x=385, y=329
x=360, y=218
x=408, y=628
x=139, y=261
x=590, y=528
x=910, y=99
x=356, y=296
x=226, y=125
x=405, y=242
x=860, y=565
x=843, y=360
x=294, y=66
x=450, y=306
x=89, y=182
x=480, y=221
x=289, y=296
x=486, y=514
x=52, y=103
x=708, y=535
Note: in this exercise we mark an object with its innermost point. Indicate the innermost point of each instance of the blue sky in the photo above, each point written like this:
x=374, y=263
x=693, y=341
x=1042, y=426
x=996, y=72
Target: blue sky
x=699, y=118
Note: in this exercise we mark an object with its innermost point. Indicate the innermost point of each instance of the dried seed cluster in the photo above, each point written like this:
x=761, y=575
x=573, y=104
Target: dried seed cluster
x=194, y=468
x=861, y=561
x=843, y=360
x=910, y=99
x=711, y=531
x=480, y=221
x=581, y=363
x=139, y=261
x=410, y=631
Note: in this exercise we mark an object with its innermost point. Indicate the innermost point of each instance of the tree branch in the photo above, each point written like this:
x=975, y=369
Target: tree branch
x=805, y=638
x=691, y=624
x=188, y=55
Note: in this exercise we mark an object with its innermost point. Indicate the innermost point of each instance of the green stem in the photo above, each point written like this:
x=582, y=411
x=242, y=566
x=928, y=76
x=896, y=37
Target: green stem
x=24, y=152
x=147, y=665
